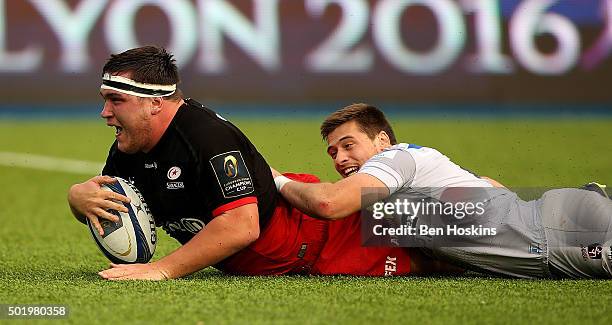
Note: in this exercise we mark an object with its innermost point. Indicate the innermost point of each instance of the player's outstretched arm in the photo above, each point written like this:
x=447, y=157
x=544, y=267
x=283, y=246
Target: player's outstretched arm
x=331, y=200
x=88, y=200
x=225, y=235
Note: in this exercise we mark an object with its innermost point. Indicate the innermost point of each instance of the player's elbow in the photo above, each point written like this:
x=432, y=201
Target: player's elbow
x=252, y=234
x=248, y=233
x=327, y=208
x=244, y=222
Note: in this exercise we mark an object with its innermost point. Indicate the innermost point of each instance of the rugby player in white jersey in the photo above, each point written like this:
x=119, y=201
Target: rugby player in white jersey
x=565, y=233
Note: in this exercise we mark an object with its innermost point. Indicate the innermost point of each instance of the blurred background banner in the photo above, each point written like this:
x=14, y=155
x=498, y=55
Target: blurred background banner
x=300, y=51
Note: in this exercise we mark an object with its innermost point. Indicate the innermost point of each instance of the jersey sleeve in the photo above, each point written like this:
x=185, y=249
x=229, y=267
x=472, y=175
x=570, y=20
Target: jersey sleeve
x=395, y=168
x=228, y=169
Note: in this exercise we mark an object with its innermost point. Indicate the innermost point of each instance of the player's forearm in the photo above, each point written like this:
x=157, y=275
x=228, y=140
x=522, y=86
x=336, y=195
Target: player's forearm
x=218, y=240
x=71, y=199
x=316, y=200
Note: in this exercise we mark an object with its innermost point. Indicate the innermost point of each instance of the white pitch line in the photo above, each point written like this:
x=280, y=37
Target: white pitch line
x=14, y=159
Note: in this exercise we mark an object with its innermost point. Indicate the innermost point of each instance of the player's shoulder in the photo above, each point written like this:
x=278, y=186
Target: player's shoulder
x=404, y=150
x=409, y=154
x=195, y=117
x=206, y=132
x=199, y=125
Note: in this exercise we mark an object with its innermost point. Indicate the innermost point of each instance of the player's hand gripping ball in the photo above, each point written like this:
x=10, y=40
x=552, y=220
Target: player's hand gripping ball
x=133, y=238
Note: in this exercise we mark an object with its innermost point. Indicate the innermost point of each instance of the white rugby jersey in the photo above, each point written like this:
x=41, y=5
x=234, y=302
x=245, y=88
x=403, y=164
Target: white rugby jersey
x=404, y=166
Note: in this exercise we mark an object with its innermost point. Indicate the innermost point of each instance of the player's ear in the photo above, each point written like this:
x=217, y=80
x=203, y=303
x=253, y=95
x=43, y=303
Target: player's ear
x=156, y=105
x=382, y=140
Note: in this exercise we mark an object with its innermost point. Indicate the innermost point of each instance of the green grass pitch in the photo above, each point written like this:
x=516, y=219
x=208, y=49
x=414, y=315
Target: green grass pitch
x=47, y=257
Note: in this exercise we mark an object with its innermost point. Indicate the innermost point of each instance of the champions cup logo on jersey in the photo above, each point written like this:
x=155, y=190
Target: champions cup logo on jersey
x=232, y=174
x=231, y=166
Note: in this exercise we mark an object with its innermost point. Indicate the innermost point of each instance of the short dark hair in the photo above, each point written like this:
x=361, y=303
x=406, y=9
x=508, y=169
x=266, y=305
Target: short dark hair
x=370, y=120
x=147, y=64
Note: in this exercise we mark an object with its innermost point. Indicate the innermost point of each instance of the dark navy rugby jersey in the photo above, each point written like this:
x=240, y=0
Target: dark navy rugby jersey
x=202, y=166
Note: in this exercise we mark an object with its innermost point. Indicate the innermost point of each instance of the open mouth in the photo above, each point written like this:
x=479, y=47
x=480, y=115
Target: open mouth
x=350, y=171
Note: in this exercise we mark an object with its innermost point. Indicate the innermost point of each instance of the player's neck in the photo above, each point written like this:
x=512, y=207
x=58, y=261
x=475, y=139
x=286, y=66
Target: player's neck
x=161, y=122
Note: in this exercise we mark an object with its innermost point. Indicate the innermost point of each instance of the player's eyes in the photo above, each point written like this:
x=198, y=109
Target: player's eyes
x=113, y=101
x=348, y=145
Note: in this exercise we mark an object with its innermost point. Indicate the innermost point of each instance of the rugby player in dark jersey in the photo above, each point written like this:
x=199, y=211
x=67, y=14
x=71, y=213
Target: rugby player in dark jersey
x=209, y=188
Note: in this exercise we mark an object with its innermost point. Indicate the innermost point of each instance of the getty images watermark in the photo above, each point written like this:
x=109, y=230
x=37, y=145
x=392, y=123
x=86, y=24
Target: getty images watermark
x=412, y=209
x=426, y=217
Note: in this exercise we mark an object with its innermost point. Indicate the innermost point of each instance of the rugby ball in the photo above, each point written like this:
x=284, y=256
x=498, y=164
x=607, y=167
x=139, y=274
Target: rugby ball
x=133, y=238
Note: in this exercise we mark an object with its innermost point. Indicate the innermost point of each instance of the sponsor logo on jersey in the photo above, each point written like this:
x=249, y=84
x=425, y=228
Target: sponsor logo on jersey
x=534, y=249
x=174, y=173
x=175, y=185
x=390, y=266
x=232, y=174
x=191, y=225
x=302, y=251
x=593, y=251
x=151, y=165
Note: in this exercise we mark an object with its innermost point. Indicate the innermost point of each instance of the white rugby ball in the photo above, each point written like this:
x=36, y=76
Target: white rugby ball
x=133, y=238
